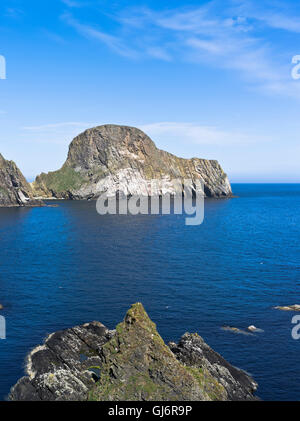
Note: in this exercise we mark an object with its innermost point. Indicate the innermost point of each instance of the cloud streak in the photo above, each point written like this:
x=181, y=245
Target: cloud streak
x=227, y=40
x=188, y=133
x=199, y=134
x=59, y=133
x=55, y=126
x=72, y=3
x=88, y=31
x=231, y=36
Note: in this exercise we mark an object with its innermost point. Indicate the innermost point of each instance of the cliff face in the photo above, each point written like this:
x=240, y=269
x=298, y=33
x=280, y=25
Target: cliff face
x=14, y=189
x=90, y=362
x=111, y=157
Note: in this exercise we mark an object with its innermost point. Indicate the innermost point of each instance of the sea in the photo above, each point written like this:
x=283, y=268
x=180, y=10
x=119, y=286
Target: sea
x=65, y=265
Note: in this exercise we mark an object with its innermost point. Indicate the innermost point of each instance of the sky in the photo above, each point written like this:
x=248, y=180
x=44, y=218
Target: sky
x=209, y=79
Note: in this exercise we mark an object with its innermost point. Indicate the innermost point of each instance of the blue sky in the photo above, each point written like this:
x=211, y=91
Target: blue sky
x=203, y=78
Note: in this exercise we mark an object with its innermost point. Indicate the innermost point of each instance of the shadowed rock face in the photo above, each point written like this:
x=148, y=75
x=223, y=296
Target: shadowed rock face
x=109, y=158
x=193, y=351
x=14, y=189
x=90, y=362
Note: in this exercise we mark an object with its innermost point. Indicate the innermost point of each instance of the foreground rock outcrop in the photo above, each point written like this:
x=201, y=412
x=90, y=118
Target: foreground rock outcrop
x=109, y=158
x=14, y=189
x=91, y=362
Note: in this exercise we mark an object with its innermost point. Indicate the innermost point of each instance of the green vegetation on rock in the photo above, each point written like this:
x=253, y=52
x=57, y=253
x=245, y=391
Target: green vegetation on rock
x=62, y=182
x=138, y=365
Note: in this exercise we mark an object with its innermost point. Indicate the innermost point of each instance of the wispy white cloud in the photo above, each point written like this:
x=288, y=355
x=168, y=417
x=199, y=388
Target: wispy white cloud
x=199, y=134
x=13, y=12
x=158, y=53
x=187, y=132
x=111, y=41
x=54, y=37
x=61, y=133
x=72, y=3
x=230, y=35
x=63, y=125
x=274, y=14
x=226, y=40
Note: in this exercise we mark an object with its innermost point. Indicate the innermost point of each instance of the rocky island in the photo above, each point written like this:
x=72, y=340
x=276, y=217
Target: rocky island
x=110, y=157
x=91, y=362
x=14, y=189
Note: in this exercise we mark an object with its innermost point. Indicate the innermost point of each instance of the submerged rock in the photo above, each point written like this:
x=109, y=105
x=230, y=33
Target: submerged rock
x=90, y=362
x=14, y=189
x=294, y=307
x=110, y=157
x=235, y=330
x=253, y=328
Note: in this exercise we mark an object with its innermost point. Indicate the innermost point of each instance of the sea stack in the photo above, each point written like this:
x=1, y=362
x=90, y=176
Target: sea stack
x=131, y=363
x=15, y=191
x=114, y=158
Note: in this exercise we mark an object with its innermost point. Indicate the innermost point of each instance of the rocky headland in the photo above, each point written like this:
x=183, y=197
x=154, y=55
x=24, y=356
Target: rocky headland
x=14, y=189
x=91, y=362
x=112, y=158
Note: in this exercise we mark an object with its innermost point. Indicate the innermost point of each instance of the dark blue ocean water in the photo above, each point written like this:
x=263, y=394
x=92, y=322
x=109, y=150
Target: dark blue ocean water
x=66, y=265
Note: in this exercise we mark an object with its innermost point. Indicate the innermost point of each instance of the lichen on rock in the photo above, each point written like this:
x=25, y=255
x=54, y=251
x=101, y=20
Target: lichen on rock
x=138, y=365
